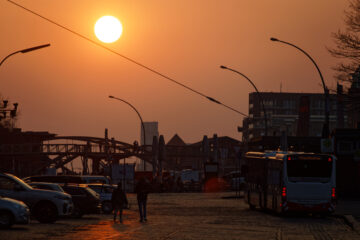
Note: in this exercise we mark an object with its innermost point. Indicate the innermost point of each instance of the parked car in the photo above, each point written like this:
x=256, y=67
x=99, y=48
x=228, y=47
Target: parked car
x=13, y=212
x=86, y=200
x=79, y=179
x=190, y=180
x=46, y=206
x=235, y=180
x=47, y=186
x=105, y=191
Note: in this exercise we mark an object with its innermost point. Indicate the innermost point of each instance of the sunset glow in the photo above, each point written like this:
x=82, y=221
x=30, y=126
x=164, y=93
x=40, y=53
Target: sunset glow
x=108, y=29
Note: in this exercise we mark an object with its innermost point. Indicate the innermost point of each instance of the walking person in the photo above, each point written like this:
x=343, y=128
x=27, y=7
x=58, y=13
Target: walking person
x=119, y=201
x=142, y=189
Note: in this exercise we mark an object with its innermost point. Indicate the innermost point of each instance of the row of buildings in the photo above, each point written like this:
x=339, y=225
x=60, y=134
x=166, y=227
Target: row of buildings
x=294, y=120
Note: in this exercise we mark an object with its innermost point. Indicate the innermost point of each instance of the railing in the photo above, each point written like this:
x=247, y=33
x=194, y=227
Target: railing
x=94, y=149
x=62, y=148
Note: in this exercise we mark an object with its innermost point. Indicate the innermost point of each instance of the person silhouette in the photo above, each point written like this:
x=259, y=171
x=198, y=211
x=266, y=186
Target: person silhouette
x=119, y=201
x=142, y=189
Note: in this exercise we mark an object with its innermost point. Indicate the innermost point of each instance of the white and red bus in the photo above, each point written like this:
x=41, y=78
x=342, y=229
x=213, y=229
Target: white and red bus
x=291, y=181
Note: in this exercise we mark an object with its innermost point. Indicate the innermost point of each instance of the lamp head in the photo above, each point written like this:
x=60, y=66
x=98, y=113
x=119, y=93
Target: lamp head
x=35, y=48
x=223, y=67
x=111, y=96
x=274, y=39
x=5, y=102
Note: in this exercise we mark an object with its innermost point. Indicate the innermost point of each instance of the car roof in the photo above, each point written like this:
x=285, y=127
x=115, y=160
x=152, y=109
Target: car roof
x=43, y=183
x=73, y=185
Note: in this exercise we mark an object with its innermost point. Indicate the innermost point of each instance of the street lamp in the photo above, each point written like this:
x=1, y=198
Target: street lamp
x=142, y=122
x=325, y=131
x=4, y=110
x=25, y=51
x=259, y=95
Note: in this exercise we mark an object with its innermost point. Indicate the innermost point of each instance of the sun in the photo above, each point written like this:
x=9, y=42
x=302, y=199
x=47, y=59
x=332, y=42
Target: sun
x=108, y=29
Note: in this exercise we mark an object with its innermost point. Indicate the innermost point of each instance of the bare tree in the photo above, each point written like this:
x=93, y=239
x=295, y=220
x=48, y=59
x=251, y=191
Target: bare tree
x=348, y=44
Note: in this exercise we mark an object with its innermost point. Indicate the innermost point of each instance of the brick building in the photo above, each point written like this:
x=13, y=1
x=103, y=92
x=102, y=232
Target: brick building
x=21, y=165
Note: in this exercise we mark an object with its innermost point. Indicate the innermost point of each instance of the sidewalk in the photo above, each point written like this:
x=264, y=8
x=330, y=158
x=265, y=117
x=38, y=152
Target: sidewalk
x=349, y=208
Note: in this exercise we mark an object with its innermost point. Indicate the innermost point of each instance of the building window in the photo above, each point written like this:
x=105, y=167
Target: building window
x=268, y=102
x=344, y=147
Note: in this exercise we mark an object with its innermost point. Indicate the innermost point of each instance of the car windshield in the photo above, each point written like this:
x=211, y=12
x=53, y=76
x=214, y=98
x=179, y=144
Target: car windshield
x=22, y=183
x=58, y=188
x=92, y=192
x=96, y=188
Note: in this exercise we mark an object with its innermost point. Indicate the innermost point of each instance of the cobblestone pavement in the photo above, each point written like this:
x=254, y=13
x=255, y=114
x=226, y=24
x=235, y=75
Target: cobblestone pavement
x=189, y=216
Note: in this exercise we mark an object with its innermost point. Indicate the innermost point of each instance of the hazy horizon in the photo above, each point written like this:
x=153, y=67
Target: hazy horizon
x=64, y=88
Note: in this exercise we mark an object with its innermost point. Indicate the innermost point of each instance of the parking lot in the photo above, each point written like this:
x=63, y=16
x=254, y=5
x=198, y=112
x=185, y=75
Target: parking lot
x=189, y=216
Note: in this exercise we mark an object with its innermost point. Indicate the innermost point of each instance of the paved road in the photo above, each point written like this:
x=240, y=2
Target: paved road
x=189, y=216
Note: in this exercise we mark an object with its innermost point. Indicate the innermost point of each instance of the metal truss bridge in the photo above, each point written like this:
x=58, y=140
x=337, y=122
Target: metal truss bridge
x=102, y=152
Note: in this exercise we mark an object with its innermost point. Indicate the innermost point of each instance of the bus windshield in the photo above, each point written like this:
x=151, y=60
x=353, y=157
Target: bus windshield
x=314, y=167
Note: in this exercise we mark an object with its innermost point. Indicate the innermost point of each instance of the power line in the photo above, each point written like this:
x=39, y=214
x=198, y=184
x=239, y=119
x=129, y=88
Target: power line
x=126, y=58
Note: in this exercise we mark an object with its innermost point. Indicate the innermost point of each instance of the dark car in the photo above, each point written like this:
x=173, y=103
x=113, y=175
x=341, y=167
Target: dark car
x=86, y=200
x=47, y=186
x=105, y=191
x=66, y=179
x=235, y=180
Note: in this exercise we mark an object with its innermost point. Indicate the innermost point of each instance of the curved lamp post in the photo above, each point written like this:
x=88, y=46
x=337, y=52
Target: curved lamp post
x=25, y=51
x=142, y=122
x=3, y=109
x=326, y=130
x=260, y=97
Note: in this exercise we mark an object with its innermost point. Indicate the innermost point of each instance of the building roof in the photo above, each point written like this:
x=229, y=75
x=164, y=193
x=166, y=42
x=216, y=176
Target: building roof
x=219, y=139
x=176, y=141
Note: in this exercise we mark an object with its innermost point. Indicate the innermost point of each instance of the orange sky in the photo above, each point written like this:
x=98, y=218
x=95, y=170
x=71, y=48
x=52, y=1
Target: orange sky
x=63, y=89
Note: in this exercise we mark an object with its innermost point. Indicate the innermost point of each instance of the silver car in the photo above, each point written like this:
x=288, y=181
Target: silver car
x=13, y=212
x=46, y=206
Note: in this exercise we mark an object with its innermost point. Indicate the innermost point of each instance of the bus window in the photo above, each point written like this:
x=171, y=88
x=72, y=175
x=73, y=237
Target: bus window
x=309, y=168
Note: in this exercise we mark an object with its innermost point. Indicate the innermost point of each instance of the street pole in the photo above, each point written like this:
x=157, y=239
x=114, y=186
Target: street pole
x=258, y=93
x=326, y=130
x=142, y=122
x=3, y=109
x=25, y=51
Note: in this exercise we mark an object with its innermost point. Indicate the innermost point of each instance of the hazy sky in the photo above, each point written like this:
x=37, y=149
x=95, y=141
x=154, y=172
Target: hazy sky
x=64, y=89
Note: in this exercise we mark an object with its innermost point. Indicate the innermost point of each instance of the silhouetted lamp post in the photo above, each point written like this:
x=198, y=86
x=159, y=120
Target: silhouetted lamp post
x=326, y=131
x=259, y=95
x=142, y=122
x=3, y=109
x=25, y=51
